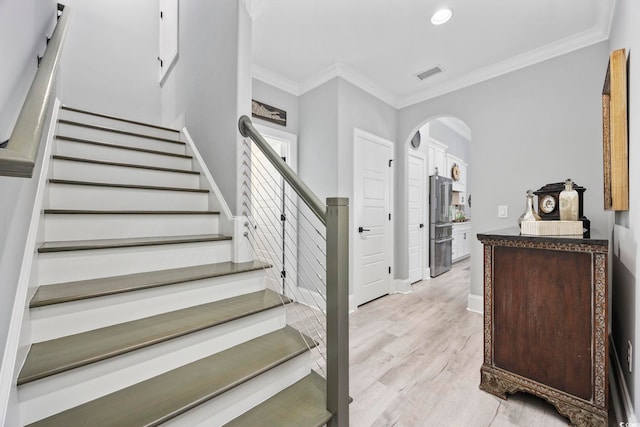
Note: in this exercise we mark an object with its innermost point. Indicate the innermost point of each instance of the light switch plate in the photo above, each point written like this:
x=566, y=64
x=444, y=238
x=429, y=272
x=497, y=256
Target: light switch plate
x=503, y=211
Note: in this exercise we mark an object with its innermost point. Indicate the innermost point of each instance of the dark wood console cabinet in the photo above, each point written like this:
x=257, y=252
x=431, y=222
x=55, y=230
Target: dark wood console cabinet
x=546, y=321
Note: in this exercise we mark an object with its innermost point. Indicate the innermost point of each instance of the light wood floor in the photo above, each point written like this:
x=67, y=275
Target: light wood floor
x=415, y=361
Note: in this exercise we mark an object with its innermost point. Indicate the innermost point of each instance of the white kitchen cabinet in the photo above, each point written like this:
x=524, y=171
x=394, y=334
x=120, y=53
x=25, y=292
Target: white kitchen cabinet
x=461, y=183
x=437, y=158
x=461, y=244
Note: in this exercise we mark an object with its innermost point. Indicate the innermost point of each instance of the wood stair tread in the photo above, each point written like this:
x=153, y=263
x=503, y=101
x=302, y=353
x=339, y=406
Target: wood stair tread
x=124, y=212
x=124, y=165
x=134, y=186
x=80, y=245
x=106, y=116
x=302, y=404
x=118, y=131
x=62, y=354
x=157, y=400
x=93, y=288
x=123, y=147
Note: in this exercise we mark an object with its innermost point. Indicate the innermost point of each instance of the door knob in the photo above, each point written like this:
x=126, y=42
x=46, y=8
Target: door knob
x=421, y=225
x=360, y=229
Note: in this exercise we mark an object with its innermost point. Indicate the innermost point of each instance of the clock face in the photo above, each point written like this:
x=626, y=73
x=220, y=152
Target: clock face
x=547, y=204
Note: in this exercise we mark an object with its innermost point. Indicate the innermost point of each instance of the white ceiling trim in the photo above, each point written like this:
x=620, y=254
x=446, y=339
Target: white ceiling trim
x=274, y=79
x=458, y=126
x=532, y=57
x=352, y=76
x=587, y=38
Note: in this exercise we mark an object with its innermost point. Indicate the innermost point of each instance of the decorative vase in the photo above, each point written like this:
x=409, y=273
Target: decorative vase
x=529, y=214
x=569, y=203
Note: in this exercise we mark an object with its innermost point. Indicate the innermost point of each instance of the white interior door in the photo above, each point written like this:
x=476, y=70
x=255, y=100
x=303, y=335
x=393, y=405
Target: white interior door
x=417, y=196
x=275, y=215
x=373, y=200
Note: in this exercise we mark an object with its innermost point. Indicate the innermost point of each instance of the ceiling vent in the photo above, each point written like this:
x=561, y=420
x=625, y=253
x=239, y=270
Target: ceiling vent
x=430, y=72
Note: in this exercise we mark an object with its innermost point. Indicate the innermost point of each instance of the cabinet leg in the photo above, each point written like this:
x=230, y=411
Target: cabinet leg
x=580, y=413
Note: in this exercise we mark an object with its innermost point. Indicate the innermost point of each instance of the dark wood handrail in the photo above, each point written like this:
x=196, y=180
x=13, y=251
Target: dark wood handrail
x=19, y=156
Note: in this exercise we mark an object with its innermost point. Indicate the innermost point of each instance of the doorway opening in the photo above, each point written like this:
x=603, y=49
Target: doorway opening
x=276, y=210
x=439, y=228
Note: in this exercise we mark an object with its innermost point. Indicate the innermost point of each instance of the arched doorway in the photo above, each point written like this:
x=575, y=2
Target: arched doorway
x=439, y=147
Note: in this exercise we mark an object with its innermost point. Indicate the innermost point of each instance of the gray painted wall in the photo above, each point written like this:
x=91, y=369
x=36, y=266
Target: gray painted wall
x=328, y=116
x=210, y=85
x=456, y=144
x=278, y=98
x=358, y=109
x=533, y=126
x=24, y=27
x=110, y=61
x=626, y=256
x=318, y=139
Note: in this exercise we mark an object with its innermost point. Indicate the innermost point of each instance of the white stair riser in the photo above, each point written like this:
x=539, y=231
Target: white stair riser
x=82, y=171
x=69, y=196
x=116, y=124
x=119, y=138
x=70, y=318
x=224, y=408
x=64, y=227
x=58, y=267
x=110, y=154
x=45, y=397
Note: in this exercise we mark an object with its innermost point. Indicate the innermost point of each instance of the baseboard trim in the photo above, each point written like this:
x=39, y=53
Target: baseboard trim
x=620, y=397
x=352, y=303
x=475, y=303
x=402, y=286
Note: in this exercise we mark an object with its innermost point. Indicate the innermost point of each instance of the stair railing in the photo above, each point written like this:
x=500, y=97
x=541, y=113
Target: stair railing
x=18, y=158
x=316, y=247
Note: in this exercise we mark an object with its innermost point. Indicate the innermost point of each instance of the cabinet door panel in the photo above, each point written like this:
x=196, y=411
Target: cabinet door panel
x=542, y=304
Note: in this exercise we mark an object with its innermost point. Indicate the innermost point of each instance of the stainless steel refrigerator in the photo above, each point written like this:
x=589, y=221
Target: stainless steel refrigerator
x=440, y=225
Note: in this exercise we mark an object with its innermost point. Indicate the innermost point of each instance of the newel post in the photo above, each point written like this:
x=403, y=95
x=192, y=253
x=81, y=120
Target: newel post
x=338, y=310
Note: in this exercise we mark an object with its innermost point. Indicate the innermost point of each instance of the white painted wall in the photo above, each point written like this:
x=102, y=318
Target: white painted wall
x=626, y=256
x=533, y=126
x=24, y=28
x=110, y=60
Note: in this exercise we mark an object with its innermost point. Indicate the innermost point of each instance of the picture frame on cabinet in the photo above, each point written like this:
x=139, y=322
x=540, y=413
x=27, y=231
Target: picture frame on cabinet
x=615, y=144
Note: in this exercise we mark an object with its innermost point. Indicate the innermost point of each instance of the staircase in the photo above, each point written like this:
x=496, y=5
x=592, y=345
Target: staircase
x=139, y=317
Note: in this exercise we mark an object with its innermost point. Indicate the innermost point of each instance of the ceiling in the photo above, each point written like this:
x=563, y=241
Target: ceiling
x=380, y=45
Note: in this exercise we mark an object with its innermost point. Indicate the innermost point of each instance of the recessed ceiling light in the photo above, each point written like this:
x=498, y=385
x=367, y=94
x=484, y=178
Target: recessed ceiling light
x=441, y=16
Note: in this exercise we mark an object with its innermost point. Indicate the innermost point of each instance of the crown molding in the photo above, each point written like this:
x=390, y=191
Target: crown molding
x=600, y=32
x=552, y=50
x=352, y=76
x=457, y=125
x=274, y=79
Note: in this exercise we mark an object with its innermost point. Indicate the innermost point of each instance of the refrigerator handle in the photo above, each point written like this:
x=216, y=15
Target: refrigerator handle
x=444, y=240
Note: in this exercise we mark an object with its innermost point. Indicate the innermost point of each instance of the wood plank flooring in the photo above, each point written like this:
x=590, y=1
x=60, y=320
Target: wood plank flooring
x=415, y=361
